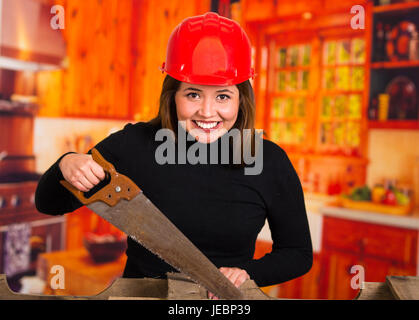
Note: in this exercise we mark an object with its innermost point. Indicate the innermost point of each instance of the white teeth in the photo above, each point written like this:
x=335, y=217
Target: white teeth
x=206, y=125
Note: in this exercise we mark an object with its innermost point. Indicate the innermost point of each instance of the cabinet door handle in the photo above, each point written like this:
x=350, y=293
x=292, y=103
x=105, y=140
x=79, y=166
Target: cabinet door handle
x=362, y=243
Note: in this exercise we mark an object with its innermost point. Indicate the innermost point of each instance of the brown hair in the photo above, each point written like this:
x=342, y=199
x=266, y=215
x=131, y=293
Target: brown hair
x=167, y=115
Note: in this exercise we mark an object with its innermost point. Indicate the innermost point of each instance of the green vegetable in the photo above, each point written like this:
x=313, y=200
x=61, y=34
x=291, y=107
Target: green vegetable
x=361, y=194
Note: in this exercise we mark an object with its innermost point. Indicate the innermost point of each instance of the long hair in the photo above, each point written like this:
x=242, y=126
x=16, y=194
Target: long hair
x=167, y=115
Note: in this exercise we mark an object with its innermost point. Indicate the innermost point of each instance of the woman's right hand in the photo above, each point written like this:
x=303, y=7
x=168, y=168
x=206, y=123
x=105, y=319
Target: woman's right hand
x=81, y=171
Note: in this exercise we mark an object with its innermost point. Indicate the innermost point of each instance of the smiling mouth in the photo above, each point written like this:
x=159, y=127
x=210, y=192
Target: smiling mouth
x=207, y=125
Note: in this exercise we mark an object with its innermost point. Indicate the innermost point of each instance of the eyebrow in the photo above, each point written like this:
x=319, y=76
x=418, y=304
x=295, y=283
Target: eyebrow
x=199, y=90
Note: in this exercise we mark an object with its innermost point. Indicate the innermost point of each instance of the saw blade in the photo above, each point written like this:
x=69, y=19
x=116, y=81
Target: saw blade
x=142, y=221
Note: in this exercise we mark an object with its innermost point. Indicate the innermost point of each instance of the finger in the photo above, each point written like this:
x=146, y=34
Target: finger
x=88, y=169
x=234, y=277
x=86, y=183
x=226, y=271
x=80, y=187
x=91, y=177
x=98, y=171
x=241, y=279
x=211, y=296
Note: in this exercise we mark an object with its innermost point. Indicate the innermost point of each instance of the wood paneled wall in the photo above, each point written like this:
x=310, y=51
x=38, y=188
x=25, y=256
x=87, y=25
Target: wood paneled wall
x=114, y=50
x=155, y=22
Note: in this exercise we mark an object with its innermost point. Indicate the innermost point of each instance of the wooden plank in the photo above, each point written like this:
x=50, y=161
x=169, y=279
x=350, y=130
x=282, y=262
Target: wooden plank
x=181, y=287
x=404, y=288
x=128, y=288
x=375, y=291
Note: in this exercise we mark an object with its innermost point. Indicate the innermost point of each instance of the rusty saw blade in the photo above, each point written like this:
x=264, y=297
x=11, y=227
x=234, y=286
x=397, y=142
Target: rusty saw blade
x=122, y=203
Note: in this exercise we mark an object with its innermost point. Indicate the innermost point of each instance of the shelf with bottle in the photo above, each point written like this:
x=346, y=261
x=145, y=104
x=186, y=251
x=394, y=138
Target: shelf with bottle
x=396, y=36
x=406, y=125
x=329, y=174
x=394, y=80
x=395, y=64
x=394, y=98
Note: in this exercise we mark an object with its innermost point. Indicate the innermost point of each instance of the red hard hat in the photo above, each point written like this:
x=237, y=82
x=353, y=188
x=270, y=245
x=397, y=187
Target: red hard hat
x=209, y=50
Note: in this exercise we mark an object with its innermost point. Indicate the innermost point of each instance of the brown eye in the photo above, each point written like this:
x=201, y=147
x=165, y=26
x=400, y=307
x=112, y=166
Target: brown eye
x=223, y=97
x=193, y=95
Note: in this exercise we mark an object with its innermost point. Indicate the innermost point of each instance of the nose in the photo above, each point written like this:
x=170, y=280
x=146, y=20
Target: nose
x=207, y=109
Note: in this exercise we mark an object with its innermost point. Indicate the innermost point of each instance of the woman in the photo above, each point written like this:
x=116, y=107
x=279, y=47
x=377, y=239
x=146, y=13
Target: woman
x=216, y=205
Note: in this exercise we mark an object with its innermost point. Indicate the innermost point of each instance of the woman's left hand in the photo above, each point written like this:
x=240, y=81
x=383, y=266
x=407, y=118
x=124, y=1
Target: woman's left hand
x=235, y=275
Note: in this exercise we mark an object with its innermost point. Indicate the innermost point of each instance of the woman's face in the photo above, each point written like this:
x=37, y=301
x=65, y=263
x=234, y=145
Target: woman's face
x=207, y=112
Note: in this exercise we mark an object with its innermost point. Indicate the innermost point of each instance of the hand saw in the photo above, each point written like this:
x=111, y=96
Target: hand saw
x=122, y=203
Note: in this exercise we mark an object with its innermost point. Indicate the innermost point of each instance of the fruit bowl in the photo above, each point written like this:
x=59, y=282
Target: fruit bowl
x=375, y=207
x=105, y=247
x=389, y=200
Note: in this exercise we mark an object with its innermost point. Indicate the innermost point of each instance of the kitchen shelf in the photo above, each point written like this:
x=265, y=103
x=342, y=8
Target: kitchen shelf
x=393, y=124
x=395, y=64
x=385, y=70
x=390, y=8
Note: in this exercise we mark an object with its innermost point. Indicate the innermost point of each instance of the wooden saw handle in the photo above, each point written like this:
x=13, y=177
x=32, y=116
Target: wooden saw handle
x=119, y=187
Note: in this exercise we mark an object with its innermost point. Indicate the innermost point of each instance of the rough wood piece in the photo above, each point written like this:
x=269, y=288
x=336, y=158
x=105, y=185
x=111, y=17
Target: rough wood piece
x=404, y=287
x=144, y=289
x=252, y=292
x=132, y=298
x=181, y=287
x=375, y=291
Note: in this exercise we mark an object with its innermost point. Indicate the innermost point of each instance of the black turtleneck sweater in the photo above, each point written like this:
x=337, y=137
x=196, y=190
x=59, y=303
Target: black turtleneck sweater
x=219, y=208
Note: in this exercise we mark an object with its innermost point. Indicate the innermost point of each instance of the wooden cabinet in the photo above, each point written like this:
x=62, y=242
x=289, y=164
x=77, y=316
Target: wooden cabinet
x=314, y=87
x=316, y=94
x=348, y=248
x=320, y=82
x=306, y=286
x=380, y=250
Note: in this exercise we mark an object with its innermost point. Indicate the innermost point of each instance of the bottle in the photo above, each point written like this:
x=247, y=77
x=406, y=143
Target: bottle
x=373, y=110
x=387, y=34
x=379, y=48
x=416, y=183
x=414, y=46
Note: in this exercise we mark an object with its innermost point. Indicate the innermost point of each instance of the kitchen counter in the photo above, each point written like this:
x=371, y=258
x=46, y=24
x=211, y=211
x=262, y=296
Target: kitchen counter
x=402, y=221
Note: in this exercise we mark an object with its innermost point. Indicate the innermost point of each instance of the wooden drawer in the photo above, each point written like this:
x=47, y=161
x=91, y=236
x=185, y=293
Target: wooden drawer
x=370, y=240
